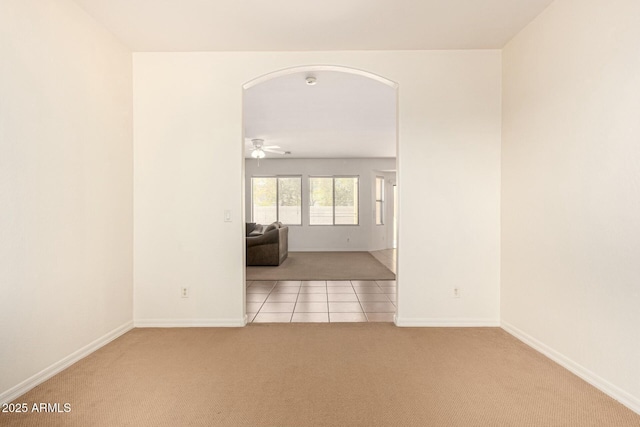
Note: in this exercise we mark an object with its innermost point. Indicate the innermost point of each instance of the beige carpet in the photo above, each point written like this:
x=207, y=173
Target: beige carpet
x=320, y=375
x=324, y=266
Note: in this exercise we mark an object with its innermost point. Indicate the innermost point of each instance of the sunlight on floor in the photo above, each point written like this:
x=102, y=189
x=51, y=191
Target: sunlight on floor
x=387, y=257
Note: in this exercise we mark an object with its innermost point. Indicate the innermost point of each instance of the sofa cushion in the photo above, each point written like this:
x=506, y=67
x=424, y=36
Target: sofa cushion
x=271, y=226
x=258, y=230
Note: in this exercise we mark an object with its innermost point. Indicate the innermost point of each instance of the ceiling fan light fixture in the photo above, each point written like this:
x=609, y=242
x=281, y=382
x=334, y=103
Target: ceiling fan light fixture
x=258, y=153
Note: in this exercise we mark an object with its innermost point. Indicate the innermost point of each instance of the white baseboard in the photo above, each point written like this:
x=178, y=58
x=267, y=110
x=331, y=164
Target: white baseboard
x=63, y=364
x=190, y=323
x=598, y=382
x=446, y=323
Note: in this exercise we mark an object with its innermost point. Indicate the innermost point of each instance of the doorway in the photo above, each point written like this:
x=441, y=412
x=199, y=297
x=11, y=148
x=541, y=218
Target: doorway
x=315, y=141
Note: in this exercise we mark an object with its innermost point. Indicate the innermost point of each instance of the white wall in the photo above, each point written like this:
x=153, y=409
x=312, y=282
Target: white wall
x=366, y=236
x=571, y=190
x=65, y=189
x=188, y=150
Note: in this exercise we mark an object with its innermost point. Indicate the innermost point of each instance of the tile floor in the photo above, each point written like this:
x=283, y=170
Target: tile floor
x=321, y=301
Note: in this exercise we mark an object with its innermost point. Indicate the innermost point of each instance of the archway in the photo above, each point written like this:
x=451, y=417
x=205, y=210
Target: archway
x=365, y=110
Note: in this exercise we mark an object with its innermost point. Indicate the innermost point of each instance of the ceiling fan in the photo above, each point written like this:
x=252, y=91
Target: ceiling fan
x=258, y=149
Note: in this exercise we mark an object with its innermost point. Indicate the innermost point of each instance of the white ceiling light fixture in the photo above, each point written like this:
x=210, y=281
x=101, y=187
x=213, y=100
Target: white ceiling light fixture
x=258, y=153
x=259, y=150
x=311, y=81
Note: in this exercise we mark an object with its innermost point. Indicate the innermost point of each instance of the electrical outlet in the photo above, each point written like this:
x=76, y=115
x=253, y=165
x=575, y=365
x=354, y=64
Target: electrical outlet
x=184, y=292
x=456, y=292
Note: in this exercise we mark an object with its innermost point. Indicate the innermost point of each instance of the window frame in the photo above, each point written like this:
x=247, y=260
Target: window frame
x=277, y=178
x=333, y=202
x=381, y=200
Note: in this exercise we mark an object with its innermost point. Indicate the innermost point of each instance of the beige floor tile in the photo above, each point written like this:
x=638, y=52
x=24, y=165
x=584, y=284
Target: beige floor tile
x=311, y=307
x=345, y=307
x=314, y=283
x=347, y=317
x=364, y=283
x=282, y=298
x=285, y=290
x=380, y=317
x=258, y=291
x=277, y=307
x=253, y=307
x=263, y=283
x=257, y=297
x=313, y=290
x=310, y=317
x=386, y=282
x=272, y=318
x=340, y=290
x=372, y=297
x=312, y=297
x=338, y=283
x=367, y=290
x=288, y=283
x=378, y=307
x=343, y=298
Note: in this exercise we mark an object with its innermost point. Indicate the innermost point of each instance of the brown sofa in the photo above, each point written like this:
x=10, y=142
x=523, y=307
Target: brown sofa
x=267, y=245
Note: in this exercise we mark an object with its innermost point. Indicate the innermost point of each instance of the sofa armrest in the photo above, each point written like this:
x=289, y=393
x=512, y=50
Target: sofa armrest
x=272, y=236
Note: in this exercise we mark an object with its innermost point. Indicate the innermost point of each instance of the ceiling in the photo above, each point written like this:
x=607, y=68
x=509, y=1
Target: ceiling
x=303, y=25
x=342, y=115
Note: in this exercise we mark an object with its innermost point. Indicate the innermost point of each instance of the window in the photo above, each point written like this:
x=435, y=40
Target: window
x=320, y=201
x=277, y=199
x=290, y=200
x=379, y=200
x=333, y=200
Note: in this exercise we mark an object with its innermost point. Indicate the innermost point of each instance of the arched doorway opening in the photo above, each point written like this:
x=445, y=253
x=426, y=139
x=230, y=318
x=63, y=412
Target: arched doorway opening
x=321, y=165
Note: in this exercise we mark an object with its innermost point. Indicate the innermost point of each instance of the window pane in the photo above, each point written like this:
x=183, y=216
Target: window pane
x=379, y=200
x=263, y=191
x=290, y=202
x=379, y=188
x=346, y=200
x=320, y=201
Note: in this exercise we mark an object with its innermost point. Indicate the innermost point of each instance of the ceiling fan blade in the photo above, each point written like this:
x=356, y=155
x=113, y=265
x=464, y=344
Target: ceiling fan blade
x=270, y=146
x=269, y=150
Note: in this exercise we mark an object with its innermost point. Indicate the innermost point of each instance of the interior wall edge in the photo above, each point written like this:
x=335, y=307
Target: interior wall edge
x=590, y=377
x=59, y=366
